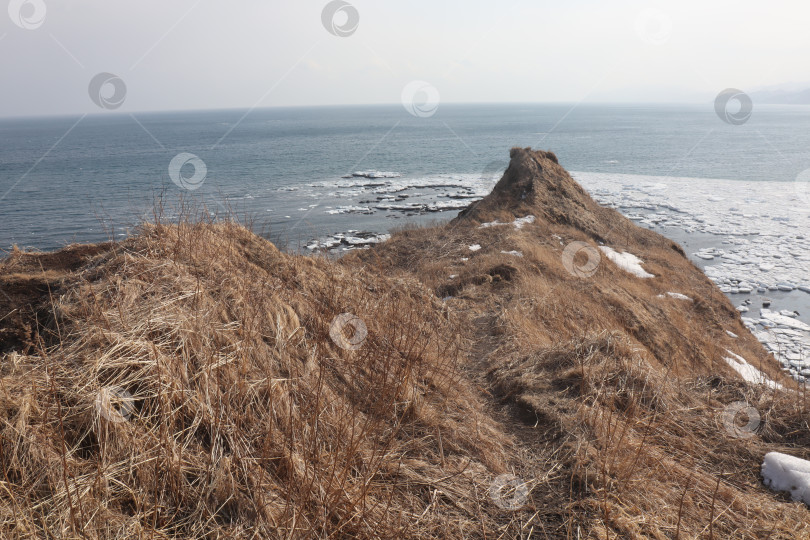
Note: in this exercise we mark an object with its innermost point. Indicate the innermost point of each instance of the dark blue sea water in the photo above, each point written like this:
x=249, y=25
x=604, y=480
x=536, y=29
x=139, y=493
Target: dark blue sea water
x=77, y=179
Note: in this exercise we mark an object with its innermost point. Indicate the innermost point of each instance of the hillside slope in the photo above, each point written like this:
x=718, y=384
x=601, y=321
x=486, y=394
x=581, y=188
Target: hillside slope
x=539, y=367
x=629, y=385
x=194, y=381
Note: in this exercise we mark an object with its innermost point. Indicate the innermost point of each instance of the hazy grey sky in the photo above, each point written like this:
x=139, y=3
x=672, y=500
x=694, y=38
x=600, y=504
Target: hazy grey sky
x=199, y=54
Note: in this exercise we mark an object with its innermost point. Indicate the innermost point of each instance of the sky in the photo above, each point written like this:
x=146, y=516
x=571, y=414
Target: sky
x=210, y=54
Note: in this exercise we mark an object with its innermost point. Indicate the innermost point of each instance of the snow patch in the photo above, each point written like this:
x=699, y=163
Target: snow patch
x=748, y=372
x=627, y=262
x=782, y=472
x=518, y=223
x=676, y=296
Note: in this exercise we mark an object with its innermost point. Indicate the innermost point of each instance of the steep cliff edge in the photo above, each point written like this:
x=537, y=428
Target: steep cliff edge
x=539, y=367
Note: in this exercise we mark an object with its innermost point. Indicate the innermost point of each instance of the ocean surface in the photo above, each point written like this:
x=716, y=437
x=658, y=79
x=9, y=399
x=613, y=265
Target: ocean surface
x=84, y=179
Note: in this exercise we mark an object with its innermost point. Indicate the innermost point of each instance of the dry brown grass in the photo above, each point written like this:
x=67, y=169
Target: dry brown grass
x=246, y=420
x=599, y=379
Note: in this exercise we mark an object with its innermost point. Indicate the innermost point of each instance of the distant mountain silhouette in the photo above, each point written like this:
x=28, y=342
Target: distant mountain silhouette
x=782, y=97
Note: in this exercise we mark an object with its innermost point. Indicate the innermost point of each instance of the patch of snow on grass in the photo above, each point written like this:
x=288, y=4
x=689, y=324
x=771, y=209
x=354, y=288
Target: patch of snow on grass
x=627, y=262
x=475, y=247
x=518, y=223
x=515, y=253
x=748, y=372
x=782, y=472
x=679, y=296
x=676, y=296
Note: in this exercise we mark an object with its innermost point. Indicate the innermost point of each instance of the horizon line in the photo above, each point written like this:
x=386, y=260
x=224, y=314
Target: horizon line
x=367, y=105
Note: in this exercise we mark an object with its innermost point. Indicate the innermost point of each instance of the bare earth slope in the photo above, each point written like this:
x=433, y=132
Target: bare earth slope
x=194, y=381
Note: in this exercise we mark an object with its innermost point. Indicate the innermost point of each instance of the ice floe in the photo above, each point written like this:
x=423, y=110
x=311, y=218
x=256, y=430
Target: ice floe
x=762, y=225
x=347, y=241
x=778, y=319
x=351, y=210
x=627, y=262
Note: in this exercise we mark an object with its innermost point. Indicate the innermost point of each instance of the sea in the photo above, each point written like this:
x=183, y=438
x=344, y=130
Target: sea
x=91, y=178
x=735, y=194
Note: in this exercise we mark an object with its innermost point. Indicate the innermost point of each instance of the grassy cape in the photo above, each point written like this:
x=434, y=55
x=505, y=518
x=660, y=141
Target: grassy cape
x=195, y=381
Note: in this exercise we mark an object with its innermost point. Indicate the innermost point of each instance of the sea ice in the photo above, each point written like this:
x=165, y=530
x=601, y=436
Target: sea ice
x=351, y=210
x=780, y=320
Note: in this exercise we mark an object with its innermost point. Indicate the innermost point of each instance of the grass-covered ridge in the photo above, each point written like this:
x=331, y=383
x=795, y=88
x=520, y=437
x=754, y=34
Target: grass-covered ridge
x=246, y=418
x=195, y=381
